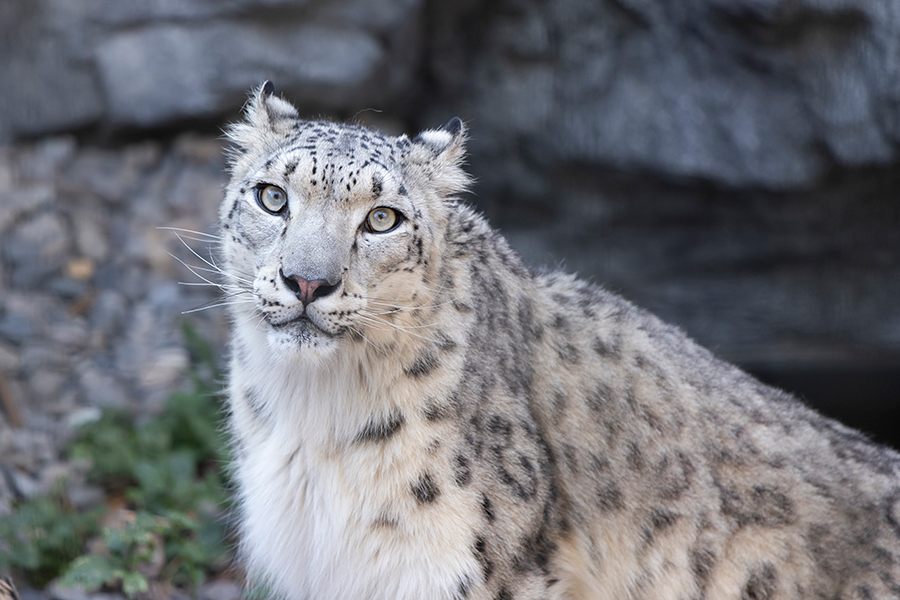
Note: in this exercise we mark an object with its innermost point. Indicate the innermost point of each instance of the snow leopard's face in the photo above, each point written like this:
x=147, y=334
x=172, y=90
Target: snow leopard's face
x=330, y=231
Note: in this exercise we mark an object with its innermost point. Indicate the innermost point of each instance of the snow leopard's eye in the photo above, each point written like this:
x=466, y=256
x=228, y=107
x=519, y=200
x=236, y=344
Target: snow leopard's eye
x=272, y=198
x=382, y=219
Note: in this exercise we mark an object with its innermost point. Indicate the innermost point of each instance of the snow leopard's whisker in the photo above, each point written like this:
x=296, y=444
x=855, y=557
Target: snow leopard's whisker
x=192, y=251
x=212, y=265
x=257, y=314
x=410, y=308
x=199, y=239
x=225, y=287
x=235, y=294
x=235, y=277
x=206, y=282
x=212, y=261
x=182, y=230
x=404, y=327
x=194, y=268
x=410, y=303
x=374, y=322
x=433, y=290
x=363, y=336
x=215, y=304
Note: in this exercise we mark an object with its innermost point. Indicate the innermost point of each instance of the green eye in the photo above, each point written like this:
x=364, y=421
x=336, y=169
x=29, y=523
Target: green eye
x=272, y=198
x=382, y=219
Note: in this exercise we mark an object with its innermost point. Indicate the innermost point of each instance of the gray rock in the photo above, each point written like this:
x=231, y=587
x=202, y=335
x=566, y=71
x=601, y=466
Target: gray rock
x=219, y=589
x=19, y=201
x=82, y=416
x=151, y=328
x=194, y=187
x=16, y=327
x=113, y=176
x=27, y=593
x=125, y=275
x=40, y=355
x=9, y=358
x=51, y=88
x=85, y=497
x=45, y=386
x=119, y=14
x=165, y=368
x=738, y=92
x=53, y=475
x=158, y=73
x=91, y=233
x=27, y=271
x=71, y=334
x=102, y=389
x=384, y=16
x=58, y=592
x=24, y=485
x=46, y=157
x=67, y=288
x=109, y=312
x=31, y=449
x=6, y=437
x=49, y=234
x=6, y=496
x=110, y=596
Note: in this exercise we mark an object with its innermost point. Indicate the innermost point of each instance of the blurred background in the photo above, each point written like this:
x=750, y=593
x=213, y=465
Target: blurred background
x=731, y=165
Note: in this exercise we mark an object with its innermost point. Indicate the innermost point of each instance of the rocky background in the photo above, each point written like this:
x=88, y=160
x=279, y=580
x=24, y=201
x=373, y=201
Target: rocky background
x=732, y=165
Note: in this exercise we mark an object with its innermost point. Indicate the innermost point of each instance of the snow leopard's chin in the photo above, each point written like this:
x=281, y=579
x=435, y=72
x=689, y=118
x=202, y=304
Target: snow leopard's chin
x=302, y=338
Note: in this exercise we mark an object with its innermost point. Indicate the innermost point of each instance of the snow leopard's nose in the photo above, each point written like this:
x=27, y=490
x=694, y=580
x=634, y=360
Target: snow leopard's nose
x=307, y=290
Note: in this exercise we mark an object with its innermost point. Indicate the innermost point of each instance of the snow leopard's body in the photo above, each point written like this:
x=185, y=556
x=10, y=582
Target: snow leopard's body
x=417, y=416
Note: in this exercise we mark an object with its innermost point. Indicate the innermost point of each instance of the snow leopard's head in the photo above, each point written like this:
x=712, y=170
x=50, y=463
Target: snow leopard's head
x=332, y=233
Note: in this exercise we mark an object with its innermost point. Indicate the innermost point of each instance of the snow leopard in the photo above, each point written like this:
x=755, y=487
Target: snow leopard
x=417, y=415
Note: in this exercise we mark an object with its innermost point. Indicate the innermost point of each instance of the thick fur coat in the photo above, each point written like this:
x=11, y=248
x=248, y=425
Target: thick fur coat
x=416, y=415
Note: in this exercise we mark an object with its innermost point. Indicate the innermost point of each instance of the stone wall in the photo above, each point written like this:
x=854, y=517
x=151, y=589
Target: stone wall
x=730, y=164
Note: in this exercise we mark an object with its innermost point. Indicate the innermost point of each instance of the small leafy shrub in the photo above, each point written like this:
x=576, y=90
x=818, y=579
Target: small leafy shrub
x=129, y=550
x=43, y=535
x=171, y=549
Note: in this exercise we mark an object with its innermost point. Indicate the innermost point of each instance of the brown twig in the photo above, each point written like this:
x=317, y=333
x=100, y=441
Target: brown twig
x=10, y=407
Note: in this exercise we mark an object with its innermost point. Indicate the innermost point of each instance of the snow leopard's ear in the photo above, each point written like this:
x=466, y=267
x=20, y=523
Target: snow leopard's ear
x=264, y=114
x=441, y=153
x=267, y=109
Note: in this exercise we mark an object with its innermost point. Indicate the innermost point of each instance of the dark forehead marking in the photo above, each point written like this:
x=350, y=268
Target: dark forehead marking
x=364, y=148
x=376, y=185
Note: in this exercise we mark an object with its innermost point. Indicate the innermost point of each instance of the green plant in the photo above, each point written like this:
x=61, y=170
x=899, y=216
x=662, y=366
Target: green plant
x=128, y=550
x=168, y=469
x=170, y=549
x=42, y=535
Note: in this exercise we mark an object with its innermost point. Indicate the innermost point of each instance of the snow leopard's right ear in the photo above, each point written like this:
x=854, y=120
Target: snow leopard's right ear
x=265, y=114
x=440, y=154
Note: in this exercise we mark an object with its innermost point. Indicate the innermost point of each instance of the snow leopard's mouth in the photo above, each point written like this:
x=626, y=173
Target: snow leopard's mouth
x=302, y=326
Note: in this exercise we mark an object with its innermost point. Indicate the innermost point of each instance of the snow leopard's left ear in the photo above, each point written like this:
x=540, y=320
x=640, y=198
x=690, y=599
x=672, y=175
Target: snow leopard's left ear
x=265, y=114
x=440, y=152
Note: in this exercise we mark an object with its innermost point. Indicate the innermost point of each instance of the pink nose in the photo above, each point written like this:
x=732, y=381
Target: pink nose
x=307, y=291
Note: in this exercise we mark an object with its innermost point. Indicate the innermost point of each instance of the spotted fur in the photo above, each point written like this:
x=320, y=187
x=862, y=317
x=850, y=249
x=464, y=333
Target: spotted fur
x=442, y=423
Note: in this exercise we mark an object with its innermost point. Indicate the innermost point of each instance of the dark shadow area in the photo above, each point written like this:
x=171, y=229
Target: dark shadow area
x=867, y=399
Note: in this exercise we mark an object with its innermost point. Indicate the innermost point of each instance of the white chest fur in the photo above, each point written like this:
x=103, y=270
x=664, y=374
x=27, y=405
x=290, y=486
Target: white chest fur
x=326, y=515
